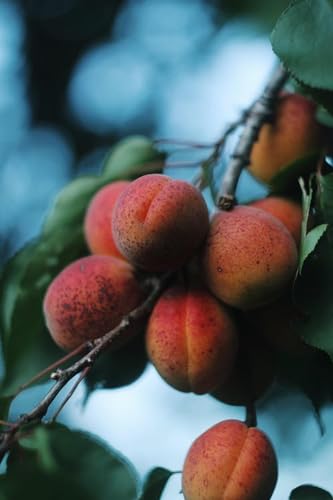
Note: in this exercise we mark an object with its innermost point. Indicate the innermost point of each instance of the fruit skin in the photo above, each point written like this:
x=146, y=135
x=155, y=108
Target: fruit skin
x=287, y=211
x=159, y=222
x=97, y=222
x=191, y=339
x=89, y=298
x=230, y=461
x=252, y=374
x=293, y=134
x=249, y=257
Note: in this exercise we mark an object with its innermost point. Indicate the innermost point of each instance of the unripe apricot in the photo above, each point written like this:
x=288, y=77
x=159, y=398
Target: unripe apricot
x=230, y=461
x=252, y=374
x=97, y=222
x=191, y=339
x=89, y=298
x=287, y=211
x=293, y=134
x=249, y=257
x=159, y=222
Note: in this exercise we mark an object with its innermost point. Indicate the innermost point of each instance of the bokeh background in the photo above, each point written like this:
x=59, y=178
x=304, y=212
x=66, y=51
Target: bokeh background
x=75, y=77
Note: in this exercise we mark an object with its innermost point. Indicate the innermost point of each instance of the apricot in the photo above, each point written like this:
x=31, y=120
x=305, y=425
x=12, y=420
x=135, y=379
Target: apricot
x=97, y=222
x=293, y=134
x=289, y=212
x=89, y=298
x=252, y=374
x=191, y=339
x=159, y=222
x=249, y=257
x=230, y=461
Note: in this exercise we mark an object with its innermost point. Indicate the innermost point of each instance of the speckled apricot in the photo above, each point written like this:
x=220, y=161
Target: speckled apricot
x=293, y=134
x=287, y=211
x=249, y=257
x=89, y=298
x=97, y=222
x=230, y=461
x=191, y=339
x=159, y=222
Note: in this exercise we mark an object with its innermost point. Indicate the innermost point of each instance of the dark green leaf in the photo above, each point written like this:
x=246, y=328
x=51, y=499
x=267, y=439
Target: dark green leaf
x=154, y=483
x=118, y=368
x=26, y=344
x=309, y=492
x=324, y=117
x=313, y=295
x=54, y=462
x=286, y=180
x=309, y=243
x=309, y=240
x=303, y=40
x=326, y=196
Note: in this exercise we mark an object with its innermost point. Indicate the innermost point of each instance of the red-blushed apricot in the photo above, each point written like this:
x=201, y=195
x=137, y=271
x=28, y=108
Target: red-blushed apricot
x=230, y=461
x=159, y=222
x=293, y=134
x=252, y=374
x=89, y=298
x=287, y=211
x=249, y=257
x=97, y=222
x=191, y=339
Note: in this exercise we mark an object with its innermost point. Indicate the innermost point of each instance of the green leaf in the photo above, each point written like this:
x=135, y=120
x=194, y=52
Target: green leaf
x=133, y=156
x=118, y=368
x=303, y=40
x=27, y=346
x=324, y=117
x=309, y=243
x=54, y=462
x=313, y=296
x=309, y=492
x=326, y=196
x=286, y=180
x=309, y=240
x=155, y=483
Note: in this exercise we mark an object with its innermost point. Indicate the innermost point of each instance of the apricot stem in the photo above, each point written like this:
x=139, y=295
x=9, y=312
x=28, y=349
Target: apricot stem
x=99, y=345
x=258, y=113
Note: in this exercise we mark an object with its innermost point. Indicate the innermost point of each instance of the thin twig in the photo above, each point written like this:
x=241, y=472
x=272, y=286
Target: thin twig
x=99, y=345
x=184, y=143
x=79, y=350
x=257, y=115
x=83, y=374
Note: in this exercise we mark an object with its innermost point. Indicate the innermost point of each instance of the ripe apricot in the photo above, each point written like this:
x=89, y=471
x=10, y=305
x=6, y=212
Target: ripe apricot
x=230, y=461
x=249, y=257
x=97, y=222
x=293, y=134
x=89, y=298
x=191, y=339
x=159, y=222
x=287, y=211
x=252, y=374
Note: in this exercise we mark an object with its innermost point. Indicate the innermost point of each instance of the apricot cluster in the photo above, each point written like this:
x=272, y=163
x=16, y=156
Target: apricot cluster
x=231, y=277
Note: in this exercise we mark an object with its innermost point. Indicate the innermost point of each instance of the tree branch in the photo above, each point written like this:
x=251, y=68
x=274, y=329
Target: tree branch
x=97, y=346
x=260, y=111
